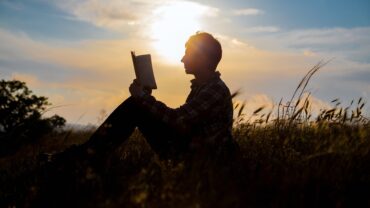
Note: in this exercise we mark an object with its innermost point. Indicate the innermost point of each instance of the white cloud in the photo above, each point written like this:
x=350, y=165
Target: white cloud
x=112, y=14
x=247, y=12
x=28, y=78
x=121, y=15
x=352, y=44
x=308, y=52
x=261, y=29
x=329, y=36
x=228, y=41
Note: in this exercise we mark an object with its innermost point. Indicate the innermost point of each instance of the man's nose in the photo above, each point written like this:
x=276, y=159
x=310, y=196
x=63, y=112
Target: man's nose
x=182, y=59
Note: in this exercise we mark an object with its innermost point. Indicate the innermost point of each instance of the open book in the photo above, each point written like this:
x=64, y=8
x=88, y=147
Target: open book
x=144, y=70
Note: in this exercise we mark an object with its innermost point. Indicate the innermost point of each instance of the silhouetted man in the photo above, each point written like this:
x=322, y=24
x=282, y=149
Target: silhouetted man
x=204, y=121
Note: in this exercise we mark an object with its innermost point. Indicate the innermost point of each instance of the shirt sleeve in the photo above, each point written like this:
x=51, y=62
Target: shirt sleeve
x=190, y=112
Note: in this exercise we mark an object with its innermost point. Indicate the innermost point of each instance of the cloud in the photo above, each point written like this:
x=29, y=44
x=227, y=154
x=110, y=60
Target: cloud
x=308, y=52
x=76, y=100
x=261, y=29
x=112, y=14
x=344, y=37
x=233, y=42
x=121, y=16
x=315, y=104
x=350, y=48
x=330, y=36
x=359, y=76
x=255, y=101
x=88, y=55
x=28, y=78
x=350, y=43
x=247, y=12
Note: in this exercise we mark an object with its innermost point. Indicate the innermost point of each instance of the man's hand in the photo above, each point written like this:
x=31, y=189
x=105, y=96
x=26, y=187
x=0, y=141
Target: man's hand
x=136, y=89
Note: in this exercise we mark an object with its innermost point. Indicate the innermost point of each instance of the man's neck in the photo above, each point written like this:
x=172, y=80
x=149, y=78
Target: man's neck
x=204, y=77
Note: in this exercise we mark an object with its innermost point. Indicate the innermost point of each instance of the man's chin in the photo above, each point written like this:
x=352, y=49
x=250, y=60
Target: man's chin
x=188, y=72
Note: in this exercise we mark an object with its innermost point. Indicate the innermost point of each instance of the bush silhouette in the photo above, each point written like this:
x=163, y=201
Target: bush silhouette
x=21, y=116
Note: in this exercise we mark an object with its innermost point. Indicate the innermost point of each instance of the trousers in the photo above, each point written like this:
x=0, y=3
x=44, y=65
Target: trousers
x=165, y=140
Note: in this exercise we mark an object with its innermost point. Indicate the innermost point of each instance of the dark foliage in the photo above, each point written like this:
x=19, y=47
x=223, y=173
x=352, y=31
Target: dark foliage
x=21, y=116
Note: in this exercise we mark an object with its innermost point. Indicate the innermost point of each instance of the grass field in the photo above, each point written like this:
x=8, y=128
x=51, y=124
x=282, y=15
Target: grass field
x=309, y=166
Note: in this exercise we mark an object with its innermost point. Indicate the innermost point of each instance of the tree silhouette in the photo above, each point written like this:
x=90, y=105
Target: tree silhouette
x=21, y=118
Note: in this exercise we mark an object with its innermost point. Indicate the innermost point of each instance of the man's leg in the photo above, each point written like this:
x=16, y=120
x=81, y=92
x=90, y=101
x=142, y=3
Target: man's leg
x=121, y=123
x=163, y=138
x=70, y=166
x=116, y=128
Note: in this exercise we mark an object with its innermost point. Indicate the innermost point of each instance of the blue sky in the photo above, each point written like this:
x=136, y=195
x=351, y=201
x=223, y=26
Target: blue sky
x=293, y=14
x=76, y=52
x=42, y=20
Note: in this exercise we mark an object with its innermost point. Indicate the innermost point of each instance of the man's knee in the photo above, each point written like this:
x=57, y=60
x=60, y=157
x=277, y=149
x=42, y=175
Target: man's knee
x=129, y=109
x=128, y=104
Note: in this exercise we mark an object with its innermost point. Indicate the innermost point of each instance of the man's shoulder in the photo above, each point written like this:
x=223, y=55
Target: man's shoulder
x=219, y=85
x=215, y=90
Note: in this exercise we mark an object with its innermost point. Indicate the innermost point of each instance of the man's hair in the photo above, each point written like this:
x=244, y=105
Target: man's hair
x=206, y=44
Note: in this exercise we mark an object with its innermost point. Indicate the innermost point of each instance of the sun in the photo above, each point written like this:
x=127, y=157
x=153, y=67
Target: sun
x=173, y=25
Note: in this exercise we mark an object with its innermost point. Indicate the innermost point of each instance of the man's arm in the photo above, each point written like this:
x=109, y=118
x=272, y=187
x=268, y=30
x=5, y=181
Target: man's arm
x=190, y=112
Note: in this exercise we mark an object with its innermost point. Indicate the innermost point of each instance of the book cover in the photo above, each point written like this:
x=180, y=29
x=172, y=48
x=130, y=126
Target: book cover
x=144, y=70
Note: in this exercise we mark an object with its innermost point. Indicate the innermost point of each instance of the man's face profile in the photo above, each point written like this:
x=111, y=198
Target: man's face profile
x=187, y=59
x=193, y=60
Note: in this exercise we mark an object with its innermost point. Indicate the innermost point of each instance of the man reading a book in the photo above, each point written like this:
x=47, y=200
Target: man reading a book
x=203, y=122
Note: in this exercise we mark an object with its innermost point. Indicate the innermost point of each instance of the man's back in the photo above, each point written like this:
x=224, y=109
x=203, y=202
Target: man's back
x=214, y=124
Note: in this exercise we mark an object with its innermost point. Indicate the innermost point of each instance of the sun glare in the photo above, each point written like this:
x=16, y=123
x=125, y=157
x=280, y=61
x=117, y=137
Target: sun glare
x=173, y=25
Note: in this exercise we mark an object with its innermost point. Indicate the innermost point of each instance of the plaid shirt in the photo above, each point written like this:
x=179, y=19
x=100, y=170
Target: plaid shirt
x=206, y=116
